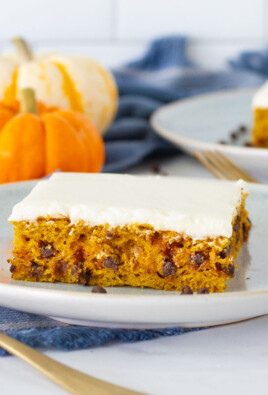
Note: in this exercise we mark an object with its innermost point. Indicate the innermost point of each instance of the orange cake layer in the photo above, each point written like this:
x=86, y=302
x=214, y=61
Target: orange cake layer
x=55, y=250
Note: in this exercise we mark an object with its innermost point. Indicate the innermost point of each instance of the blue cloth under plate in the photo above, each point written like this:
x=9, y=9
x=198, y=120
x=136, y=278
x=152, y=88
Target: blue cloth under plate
x=162, y=75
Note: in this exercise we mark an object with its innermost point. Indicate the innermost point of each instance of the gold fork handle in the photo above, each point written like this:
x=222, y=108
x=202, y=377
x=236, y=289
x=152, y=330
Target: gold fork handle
x=70, y=379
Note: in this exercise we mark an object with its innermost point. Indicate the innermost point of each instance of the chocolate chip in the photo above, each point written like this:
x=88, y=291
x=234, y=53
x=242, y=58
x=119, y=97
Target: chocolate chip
x=225, y=252
x=203, y=290
x=159, y=275
x=47, y=249
x=229, y=270
x=237, y=224
x=60, y=268
x=82, y=236
x=233, y=135
x=36, y=270
x=12, y=268
x=198, y=258
x=111, y=262
x=98, y=290
x=81, y=273
x=76, y=269
x=155, y=238
x=109, y=235
x=242, y=129
x=176, y=244
x=85, y=277
x=80, y=255
x=169, y=269
x=156, y=169
x=218, y=266
x=186, y=290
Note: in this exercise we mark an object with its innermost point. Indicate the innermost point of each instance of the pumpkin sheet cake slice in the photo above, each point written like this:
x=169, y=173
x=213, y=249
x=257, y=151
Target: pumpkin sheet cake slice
x=142, y=231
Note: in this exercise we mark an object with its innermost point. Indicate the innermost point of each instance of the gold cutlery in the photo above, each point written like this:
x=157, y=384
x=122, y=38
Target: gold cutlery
x=221, y=166
x=70, y=379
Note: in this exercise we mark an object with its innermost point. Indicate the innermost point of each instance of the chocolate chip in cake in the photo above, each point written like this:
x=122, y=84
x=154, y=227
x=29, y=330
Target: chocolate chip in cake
x=203, y=290
x=231, y=269
x=75, y=270
x=111, y=262
x=176, y=244
x=36, y=270
x=98, y=290
x=85, y=277
x=186, y=290
x=159, y=275
x=155, y=238
x=198, y=258
x=80, y=255
x=218, y=266
x=12, y=268
x=60, y=268
x=225, y=252
x=109, y=235
x=237, y=224
x=81, y=273
x=47, y=249
x=169, y=269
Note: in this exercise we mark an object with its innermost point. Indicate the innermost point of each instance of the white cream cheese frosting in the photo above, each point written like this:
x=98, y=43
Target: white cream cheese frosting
x=260, y=99
x=195, y=207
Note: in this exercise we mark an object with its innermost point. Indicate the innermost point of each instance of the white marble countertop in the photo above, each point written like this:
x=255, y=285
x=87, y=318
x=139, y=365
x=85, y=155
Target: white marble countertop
x=230, y=359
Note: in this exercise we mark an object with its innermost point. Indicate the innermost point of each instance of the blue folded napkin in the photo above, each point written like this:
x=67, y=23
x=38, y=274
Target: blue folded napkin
x=162, y=75
x=39, y=331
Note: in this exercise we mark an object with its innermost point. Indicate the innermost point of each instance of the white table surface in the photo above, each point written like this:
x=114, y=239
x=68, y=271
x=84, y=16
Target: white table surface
x=231, y=359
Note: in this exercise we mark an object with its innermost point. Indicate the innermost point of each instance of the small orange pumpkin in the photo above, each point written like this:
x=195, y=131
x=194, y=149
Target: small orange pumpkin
x=32, y=145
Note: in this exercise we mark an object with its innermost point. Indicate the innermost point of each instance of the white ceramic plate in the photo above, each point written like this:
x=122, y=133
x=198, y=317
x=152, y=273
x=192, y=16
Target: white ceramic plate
x=246, y=296
x=203, y=121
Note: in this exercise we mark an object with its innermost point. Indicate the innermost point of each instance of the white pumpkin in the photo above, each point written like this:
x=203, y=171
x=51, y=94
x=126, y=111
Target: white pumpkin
x=70, y=82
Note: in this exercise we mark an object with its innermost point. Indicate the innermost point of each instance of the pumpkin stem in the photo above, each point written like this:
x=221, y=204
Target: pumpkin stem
x=28, y=101
x=23, y=49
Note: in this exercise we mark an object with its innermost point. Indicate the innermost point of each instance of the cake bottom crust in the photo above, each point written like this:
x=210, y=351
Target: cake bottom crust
x=52, y=250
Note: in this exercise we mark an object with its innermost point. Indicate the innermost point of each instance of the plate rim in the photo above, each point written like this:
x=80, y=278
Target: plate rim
x=181, y=141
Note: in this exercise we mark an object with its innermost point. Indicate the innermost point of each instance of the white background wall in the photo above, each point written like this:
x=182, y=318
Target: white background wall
x=115, y=31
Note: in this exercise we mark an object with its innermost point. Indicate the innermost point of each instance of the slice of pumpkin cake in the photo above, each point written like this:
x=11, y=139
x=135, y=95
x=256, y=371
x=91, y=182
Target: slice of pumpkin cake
x=142, y=231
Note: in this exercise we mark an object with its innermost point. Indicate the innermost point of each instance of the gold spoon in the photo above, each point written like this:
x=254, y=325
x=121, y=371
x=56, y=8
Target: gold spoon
x=70, y=379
